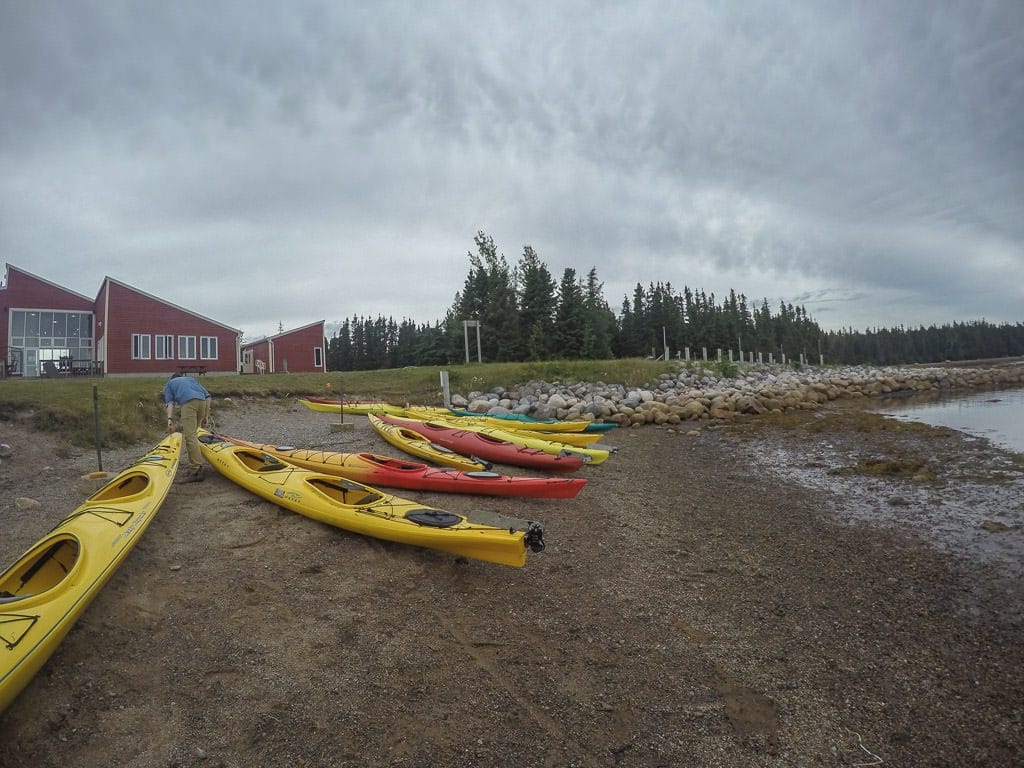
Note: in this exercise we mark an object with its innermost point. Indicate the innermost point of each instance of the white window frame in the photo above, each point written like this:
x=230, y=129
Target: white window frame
x=163, y=346
x=208, y=348
x=318, y=357
x=186, y=347
x=141, y=346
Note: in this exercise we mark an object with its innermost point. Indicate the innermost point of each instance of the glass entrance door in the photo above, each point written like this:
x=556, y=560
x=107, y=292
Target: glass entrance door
x=31, y=362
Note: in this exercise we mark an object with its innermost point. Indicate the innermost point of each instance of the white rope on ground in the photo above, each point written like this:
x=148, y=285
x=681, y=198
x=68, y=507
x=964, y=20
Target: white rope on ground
x=860, y=743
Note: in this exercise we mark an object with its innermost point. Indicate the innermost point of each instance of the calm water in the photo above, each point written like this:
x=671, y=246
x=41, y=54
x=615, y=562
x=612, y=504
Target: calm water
x=997, y=415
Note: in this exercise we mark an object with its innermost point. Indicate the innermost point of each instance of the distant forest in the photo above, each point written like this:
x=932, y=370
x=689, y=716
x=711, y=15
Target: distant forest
x=524, y=314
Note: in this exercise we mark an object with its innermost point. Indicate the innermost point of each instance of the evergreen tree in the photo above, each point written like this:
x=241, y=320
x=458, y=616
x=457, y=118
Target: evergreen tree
x=536, y=294
x=570, y=317
x=638, y=342
x=764, y=332
x=627, y=324
x=430, y=346
x=405, y=349
x=340, y=358
x=599, y=322
x=358, y=345
x=489, y=296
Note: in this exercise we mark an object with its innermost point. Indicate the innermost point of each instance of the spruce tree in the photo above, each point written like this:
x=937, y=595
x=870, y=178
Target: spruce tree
x=536, y=294
x=570, y=318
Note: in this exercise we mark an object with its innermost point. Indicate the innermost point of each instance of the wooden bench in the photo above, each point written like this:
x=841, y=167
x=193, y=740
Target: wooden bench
x=198, y=370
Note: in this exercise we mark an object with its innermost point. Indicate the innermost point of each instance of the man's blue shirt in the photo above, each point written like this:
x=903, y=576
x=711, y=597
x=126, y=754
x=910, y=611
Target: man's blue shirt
x=182, y=389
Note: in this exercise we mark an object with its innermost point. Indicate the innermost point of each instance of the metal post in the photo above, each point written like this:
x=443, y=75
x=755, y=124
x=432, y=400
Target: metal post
x=446, y=392
x=466, y=325
x=96, y=425
x=342, y=425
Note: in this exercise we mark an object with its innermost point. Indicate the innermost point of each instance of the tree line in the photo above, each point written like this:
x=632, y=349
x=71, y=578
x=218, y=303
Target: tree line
x=526, y=315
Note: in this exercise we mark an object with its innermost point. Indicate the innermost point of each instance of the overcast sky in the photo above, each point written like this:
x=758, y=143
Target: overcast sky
x=282, y=163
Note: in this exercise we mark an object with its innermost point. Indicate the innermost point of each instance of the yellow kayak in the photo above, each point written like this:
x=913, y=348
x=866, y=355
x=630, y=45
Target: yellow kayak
x=46, y=590
x=432, y=427
x=515, y=427
x=412, y=442
x=361, y=509
x=325, y=405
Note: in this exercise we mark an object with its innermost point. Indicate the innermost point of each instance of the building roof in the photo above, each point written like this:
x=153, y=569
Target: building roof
x=132, y=288
x=264, y=339
x=9, y=267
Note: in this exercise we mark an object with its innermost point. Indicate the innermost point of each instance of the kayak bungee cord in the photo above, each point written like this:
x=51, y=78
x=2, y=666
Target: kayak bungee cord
x=16, y=618
x=99, y=512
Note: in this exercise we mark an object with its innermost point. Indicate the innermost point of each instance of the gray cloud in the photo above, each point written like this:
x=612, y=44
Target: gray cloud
x=336, y=160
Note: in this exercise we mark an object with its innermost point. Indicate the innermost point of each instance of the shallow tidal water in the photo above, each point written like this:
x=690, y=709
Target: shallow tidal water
x=997, y=416
x=972, y=508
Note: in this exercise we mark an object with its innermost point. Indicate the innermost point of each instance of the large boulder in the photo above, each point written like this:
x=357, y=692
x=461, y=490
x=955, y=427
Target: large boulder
x=692, y=410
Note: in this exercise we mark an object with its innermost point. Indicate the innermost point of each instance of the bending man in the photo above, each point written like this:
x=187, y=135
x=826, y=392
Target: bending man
x=194, y=401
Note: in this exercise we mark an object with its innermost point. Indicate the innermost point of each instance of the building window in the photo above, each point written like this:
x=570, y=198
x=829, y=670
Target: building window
x=186, y=347
x=140, y=346
x=318, y=357
x=208, y=347
x=164, y=346
x=68, y=333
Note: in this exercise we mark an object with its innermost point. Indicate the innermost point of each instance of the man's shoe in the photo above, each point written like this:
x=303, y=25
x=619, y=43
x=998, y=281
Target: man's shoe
x=193, y=476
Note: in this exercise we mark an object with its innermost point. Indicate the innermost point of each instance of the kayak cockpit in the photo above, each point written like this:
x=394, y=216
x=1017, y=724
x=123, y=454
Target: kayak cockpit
x=40, y=569
x=344, y=491
x=122, y=487
x=390, y=463
x=258, y=461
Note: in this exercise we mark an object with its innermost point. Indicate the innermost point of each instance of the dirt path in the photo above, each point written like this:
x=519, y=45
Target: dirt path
x=692, y=608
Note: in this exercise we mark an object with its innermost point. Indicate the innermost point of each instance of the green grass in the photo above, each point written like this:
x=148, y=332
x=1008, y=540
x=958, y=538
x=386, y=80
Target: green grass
x=131, y=409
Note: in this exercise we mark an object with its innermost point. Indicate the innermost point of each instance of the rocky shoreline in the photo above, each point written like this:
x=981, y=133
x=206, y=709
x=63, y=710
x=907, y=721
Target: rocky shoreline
x=699, y=392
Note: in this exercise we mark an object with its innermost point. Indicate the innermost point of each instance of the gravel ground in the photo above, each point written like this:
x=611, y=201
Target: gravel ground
x=749, y=595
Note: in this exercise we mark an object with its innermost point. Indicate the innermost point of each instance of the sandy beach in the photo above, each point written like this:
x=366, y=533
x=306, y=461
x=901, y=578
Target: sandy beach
x=812, y=589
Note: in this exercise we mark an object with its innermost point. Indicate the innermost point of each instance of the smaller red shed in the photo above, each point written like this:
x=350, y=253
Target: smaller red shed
x=297, y=351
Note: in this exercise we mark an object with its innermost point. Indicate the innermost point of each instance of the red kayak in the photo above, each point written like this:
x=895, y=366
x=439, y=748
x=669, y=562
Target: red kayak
x=491, y=448
x=376, y=470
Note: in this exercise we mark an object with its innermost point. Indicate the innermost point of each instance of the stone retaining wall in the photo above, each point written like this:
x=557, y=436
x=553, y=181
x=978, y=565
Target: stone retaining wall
x=691, y=396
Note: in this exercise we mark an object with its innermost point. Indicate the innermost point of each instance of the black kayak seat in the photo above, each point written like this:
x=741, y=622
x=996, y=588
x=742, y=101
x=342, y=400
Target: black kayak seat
x=433, y=517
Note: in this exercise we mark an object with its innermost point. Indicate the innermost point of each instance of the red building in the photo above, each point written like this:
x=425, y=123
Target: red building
x=297, y=351
x=48, y=330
